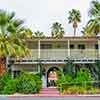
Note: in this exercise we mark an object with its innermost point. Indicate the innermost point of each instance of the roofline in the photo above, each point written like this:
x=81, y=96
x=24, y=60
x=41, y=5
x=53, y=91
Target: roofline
x=64, y=38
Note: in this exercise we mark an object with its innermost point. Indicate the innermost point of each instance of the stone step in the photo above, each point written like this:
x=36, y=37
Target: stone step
x=50, y=89
x=49, y=92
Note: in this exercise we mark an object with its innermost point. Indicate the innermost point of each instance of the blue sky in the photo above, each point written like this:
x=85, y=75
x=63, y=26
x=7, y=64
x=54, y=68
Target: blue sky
x=40, y=14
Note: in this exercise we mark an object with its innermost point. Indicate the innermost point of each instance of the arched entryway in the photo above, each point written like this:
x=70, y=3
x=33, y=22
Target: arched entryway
x=52, y=76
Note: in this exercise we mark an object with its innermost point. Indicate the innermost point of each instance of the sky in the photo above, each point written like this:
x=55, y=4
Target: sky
x=41, y=14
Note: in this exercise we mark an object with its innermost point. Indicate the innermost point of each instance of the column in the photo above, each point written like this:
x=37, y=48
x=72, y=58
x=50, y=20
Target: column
x=39, y=49
x=68, y=48
x=98, y=48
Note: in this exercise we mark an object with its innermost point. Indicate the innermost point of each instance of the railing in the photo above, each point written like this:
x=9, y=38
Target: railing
x=61, y=54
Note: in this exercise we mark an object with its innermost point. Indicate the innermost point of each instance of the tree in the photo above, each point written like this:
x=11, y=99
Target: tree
x=11, y=45
x=74, y=18
x=93, y=25
x=57, y=30
x=92, y=28
x=95, y=9
x=25, y=33
x=38, y=34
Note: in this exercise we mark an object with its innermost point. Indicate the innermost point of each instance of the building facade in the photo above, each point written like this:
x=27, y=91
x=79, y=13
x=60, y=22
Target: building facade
x=53, y=53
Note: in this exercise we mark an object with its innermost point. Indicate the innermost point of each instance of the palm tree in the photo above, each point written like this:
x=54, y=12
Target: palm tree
x=93, y=24
x=57, y=30
x=10, y=43
x=74, y=18
x=95, y=9
x=25, y=33
x=38, y=34
x=92, y=28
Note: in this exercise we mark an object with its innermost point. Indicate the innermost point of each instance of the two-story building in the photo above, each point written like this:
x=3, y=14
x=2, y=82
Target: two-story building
x=53, y=53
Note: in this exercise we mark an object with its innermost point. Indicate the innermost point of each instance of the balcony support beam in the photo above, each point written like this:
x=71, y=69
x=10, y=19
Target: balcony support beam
x=39, y=49
x=99, y=48
x=68, y=48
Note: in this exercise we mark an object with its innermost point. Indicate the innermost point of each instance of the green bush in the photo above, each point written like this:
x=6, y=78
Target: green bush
x=83, y=78
x=28, y=83
x=10, y=87
x=80, y=84
x=3, y=81
x=38, y=81
x=63, y=82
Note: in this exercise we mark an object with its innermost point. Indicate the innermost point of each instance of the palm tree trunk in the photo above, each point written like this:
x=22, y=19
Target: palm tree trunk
x=2, y=65
x=74, y=31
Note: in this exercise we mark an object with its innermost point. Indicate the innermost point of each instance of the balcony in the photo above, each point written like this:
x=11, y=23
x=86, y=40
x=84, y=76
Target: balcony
x=60, y=55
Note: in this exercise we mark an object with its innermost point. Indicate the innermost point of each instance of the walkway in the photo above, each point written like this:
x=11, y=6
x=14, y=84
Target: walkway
x=51, y=91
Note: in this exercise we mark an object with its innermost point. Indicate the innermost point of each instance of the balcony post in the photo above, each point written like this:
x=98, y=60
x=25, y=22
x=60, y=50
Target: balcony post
x=98, y=47
x=39, y=49
x=68, y=48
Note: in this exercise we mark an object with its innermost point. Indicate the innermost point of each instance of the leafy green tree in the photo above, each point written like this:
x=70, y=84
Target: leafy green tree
x=57, y=30
x=74, y=18
x=38, y=34
x=10, y=42
x=93, y=26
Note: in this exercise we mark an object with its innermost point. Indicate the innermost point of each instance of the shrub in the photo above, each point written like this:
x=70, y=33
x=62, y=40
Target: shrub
x=79, y=84
x=10, y=87
x=83, y=78
x=64, y=81
x=28, y=83
x=38, y=81
x=3, y=81
x=76, y=90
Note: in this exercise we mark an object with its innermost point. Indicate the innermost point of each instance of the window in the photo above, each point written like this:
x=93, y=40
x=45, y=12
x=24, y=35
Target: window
x=71, y=46
x=81, y=46
x=96, y=46
x=46, y=46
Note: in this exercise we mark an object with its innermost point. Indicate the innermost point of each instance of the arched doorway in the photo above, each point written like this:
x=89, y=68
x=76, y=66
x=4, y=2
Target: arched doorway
x=52, y=76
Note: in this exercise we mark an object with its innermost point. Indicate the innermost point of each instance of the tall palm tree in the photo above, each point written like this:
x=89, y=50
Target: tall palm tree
x=10, y=43
x=94, y=9
x=74, y=18
x=92, y=28
x=93, y=24
x=57, y=30
x=38, y=34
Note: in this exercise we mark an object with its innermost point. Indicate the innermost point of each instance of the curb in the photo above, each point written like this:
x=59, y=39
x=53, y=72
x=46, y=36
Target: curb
x=59, y=96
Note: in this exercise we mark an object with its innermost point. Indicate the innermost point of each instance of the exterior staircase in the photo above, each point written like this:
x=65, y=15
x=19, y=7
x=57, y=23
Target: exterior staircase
x=51, y=91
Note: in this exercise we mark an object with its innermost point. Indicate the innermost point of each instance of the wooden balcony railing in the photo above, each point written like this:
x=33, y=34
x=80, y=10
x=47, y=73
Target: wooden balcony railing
x=60, y=55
